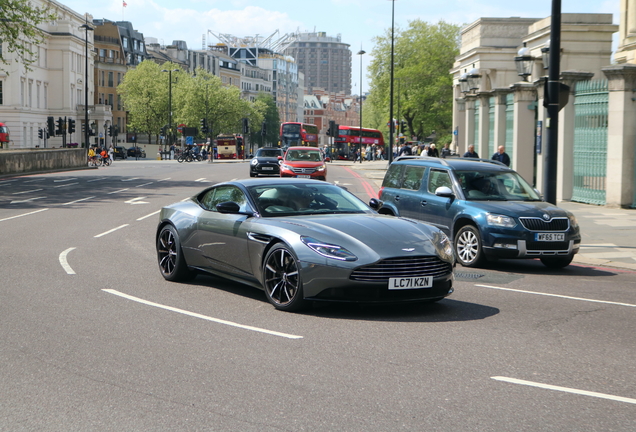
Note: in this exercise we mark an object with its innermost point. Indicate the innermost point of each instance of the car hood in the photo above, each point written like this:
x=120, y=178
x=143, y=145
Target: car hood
x=520, y=208
x=303, y=164
x=371, y=235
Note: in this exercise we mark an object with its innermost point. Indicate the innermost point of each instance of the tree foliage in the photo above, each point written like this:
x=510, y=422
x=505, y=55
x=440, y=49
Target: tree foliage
x=266, y=106
x=20, y=31
x=145, y=94
x=423, y=96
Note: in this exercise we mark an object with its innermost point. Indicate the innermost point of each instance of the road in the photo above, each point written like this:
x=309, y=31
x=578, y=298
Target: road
x=93, y=338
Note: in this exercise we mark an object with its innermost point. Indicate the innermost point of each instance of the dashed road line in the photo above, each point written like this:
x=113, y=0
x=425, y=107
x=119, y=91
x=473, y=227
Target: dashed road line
x=24, y=192
x=94, y=180
x=148, y=215
x=204, y=317
x=26, y=200
x=145, y=184
x=64, y=180
x=67, y=268
x=565, y=389
x=24, y=214
x=76, y=201
x=117, y=191
x=65, y=185
x=110, y=231
x=167, y=178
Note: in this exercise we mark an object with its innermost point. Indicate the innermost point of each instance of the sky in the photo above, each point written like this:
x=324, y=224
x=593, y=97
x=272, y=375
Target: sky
x=358, y=22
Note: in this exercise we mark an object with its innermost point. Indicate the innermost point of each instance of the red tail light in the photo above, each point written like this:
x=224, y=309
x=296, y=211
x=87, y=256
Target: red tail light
x=380, y=192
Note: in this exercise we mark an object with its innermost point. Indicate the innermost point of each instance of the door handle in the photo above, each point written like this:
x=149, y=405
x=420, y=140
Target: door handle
x=397, y=197
x=423, y=203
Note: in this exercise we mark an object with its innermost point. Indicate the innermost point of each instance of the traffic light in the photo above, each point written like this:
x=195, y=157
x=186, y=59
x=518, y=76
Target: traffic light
x=40, y=133
x=71, y=126
x=403, y=125
x=110, y=130
x=246, y=126
x=333, y=128
x=60, y=126
x=204, y=126
x=164, y=130
x=264, y=129
x=50, y=123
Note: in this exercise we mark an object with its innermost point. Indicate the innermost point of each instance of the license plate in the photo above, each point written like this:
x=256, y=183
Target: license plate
x=268, y=168
x=549, y=237
x=303, y=176
x=410, y=283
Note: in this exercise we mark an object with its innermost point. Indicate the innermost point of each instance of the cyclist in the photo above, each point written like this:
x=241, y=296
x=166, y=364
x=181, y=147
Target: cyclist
x=92, y=157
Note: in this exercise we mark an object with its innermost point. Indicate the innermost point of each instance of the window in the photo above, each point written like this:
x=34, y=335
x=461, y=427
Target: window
x=124, y=42
x=1, y=97
x=393, y=176
x=438, y=178
x=110, y=101
x=110, y=79
x=413, y=177
x=224, y=194
x=118, y=78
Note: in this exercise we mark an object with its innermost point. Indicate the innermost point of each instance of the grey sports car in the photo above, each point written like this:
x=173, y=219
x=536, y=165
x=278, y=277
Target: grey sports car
x=303, y=240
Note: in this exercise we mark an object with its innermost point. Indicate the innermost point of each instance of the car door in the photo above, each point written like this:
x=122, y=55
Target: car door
x=438, y=211
x=222, y=237
x=409, y=200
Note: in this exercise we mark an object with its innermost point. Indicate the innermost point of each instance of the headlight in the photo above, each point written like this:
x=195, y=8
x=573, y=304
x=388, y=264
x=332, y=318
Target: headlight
x=500, y=221
x=285, y=167
x=573, y=222
x=254, y=162
x=444, y=246
x=328, y=250
x=321, y=168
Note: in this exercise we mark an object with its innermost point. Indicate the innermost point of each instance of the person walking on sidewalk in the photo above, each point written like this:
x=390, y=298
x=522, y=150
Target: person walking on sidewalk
x=501, y=156
x=471, y=153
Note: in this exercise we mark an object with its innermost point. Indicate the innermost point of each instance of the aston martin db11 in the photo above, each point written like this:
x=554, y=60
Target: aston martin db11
x=301, y=241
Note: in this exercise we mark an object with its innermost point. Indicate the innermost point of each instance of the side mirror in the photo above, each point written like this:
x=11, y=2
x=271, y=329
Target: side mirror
x=444, y=191
x=327, y=159
x=375, y=204
x=280, y=157
x=228, y=207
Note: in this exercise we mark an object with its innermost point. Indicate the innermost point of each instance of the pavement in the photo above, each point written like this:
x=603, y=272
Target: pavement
x=608, y=234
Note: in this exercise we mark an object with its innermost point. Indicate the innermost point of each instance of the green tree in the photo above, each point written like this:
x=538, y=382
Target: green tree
x=144, y=91
x=20, y=31
x=423, y=55
x=266, y=107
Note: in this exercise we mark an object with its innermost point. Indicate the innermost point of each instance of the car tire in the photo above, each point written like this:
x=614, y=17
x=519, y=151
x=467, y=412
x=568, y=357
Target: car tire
x=557, y=262
x=468, y=247
x=253, y=174
x=281, y=279
x=172, y=263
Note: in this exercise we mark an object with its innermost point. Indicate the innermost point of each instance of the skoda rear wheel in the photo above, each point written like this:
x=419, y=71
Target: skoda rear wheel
x=468, y=247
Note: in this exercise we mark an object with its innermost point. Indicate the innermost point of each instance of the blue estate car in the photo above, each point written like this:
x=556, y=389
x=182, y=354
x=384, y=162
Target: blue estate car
x=487, y=209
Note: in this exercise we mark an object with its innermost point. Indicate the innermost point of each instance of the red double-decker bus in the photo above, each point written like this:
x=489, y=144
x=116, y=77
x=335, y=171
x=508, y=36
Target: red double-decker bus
x=298, y=134
x=4, y=133
x=348, y=140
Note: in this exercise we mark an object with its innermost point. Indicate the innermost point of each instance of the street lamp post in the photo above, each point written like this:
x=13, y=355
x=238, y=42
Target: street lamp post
x=170, y=134
x=86, y=28
x=360, y=53
x=391, y=84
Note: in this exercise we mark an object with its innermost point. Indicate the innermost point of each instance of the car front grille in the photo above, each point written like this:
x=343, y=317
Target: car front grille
x=402, y=267
x=538, y=224
x=543, y=246
x=303, y=170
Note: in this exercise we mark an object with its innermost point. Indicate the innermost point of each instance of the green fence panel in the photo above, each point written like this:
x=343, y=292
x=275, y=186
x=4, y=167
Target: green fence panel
x=476, y=137
x=510, y=124
x=491, y=129
x=590, y=141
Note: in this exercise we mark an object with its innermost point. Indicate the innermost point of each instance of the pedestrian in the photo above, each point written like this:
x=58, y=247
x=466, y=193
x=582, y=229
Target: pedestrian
x=110, y=153
x=432, y=151
x=446, y=150
x=501, y=156
x=471, y=153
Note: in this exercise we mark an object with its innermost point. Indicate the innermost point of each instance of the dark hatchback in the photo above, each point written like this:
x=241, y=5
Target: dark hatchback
x=136, y=152
x=266, y=161
x=487, y=209
x=119, y=152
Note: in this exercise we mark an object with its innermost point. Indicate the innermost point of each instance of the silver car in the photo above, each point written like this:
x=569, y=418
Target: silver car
x=301, y=241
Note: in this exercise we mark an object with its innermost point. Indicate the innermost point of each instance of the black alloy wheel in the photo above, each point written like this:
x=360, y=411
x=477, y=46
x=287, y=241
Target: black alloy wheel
x=468, y=247
x=172, y=263
x=282, y=280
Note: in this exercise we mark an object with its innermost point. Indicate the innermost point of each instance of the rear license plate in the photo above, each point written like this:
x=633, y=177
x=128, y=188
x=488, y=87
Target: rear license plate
x=268, y=168
x=549, y=237
x=410, y=283
x=303, y=176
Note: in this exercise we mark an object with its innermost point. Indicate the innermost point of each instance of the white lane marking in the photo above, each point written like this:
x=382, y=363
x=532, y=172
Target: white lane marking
x=565, y=389
x=94, y=180
x=205, y=317
x=26, y=200
x=200, y=180
x=24, y=214
x=117, y=191
x=29, y=191
x=64, y=262
x=65, y=180
x=34, y=180
x=148, y=215
x=64, y=185
x=110, y=231
x=560, y=296
x=130, y=179
x=145, y=184
x=3, y=183
x=136, y=201
x=79, y=200
x=167, y=178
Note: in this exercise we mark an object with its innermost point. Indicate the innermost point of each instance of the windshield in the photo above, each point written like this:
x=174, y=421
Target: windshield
x=495, y=186
x=304, y=199
x=291, y=130
x=269, y=153
x=303, y=155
